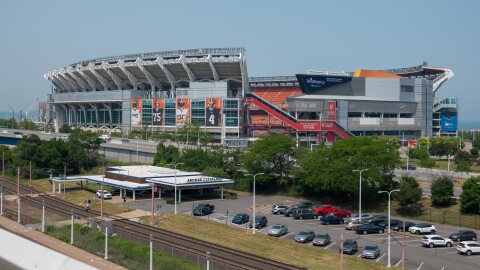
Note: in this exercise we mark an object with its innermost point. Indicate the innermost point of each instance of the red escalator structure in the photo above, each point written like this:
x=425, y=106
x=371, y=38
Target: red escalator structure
x=331, y=127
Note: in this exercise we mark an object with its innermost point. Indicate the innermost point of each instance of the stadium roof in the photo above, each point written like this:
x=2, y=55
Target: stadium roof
x=152, y=71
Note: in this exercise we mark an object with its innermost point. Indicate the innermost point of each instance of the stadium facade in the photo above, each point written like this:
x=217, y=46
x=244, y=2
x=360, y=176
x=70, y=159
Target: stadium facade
x=163, y=91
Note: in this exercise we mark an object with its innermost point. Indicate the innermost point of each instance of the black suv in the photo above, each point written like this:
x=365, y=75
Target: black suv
x=260, y=222
x=304, y=205
x=393, y=222
x=240, y=218
x=376, y=220
x=305, y=213
x=463, y=235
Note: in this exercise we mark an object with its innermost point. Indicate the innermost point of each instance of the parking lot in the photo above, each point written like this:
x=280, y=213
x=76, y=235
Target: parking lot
x=417, y=257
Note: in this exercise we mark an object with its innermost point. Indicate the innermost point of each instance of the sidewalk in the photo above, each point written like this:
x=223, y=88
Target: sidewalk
x=56, y=245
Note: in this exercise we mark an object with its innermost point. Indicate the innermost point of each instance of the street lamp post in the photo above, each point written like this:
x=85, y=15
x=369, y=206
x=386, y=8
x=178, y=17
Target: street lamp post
x=137, y=150
x=389, y=194
x=101, y=201
x=176, y=164
x=448, y=164
x=254, y=176
x=408, y=156
x=403, y=138
x=360, y=194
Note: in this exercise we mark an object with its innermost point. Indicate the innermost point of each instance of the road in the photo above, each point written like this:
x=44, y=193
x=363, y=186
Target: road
x=417, y=257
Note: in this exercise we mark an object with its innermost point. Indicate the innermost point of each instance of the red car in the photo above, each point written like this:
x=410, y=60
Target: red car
x=343, y=213
x=325, y=209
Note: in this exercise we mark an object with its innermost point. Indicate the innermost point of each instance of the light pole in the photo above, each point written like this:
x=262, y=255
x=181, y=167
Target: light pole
x=309, y=140
x=360, y=194
x=101, y=201
x=408, y=154
x=176, y=164
x=403, y=138
x=448, y=164
x=389, y=193
x=137, y=150
x=254, y=176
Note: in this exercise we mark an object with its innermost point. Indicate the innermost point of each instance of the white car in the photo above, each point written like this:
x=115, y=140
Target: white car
x=468, y=247
x=436, y=240
x=106, y=194
x=364, y=217
x=105, y=137
x=423, y=228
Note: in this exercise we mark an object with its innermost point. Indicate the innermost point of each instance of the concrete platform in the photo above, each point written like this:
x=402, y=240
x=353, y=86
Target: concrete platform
x=41, y=251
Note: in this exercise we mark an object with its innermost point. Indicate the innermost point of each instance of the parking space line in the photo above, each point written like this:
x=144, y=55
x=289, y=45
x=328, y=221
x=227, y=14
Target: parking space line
x=420, y=266
x=330, y=245
x=311, y=244
x=359, y=255
x=311, y=223
x=286, y=235
x=380, y=257
x=398, y=262
x=262, y=229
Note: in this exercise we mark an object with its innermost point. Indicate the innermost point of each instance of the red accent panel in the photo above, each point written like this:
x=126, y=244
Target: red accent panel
x=332, y=110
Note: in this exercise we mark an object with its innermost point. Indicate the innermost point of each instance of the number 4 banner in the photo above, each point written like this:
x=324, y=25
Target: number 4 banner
x=213, y=112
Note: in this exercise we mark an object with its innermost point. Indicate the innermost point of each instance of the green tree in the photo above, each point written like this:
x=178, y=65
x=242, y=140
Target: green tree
x=271, y=154
x=330, y=170
x=410, y=195
x=442, y=192
x=166, y=155
x=427, y=163
x=470, y=197
x=474, y=152
x=463, y=161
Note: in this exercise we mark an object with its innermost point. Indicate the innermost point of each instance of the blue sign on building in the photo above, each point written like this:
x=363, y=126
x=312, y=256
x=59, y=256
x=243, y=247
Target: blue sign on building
x=449, y=122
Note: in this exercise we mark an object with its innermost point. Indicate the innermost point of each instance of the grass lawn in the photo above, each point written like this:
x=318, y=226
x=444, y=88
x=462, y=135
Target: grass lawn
x=76, y=195
x=274, y=248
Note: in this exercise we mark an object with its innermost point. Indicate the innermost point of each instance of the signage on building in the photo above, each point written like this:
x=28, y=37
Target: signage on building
x=313, y=83
x=332, y=110
x=203, y=179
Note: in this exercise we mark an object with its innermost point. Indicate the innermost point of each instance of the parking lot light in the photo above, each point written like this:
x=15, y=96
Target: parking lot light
x=254, y=176
x=360, y=194
x=176, y=164
x=388, y=236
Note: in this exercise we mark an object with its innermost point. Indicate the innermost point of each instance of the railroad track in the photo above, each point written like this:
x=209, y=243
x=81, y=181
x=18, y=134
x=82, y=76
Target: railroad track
x=231, y=258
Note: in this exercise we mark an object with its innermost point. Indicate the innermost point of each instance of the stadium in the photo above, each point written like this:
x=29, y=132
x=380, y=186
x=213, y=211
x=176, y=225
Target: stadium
x=164, y=91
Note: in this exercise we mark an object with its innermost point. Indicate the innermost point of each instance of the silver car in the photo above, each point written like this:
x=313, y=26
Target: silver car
x=352, y=225
x=278, y=230
x=370, y=251
x=321, y=239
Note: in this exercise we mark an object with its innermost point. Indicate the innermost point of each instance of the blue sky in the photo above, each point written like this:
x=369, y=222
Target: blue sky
x=281, y=38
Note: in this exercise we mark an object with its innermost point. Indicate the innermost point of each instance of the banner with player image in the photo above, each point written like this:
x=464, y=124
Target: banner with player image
x=183, y=112
x=213, y=112
x=158, y=104
x=136, y=112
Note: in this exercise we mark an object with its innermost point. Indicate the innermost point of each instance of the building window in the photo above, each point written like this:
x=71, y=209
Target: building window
x=372, y=115
x=354, y=114
x=390, y=115
x=406, y=115
x=406, y=88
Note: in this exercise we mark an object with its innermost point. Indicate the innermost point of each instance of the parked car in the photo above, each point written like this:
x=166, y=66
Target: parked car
x=463, y=235
x=289, y=212
x=304, y=236
x=343, y=213
x=468, y=247
x=352, y=225
x=278, y=230
x=370, y=251
x=106, y=194
x=278, y=209
x=409, y=168
x=325, y=209
x=260, y=222
x=331, y=219
x=423, y=228
x=399, y=227
x=18, y=133
x=240, y=218
x=124, y=140
x=368, y=228
x=365, y=217
x=104, y=137
x=376, y=220
x=393, y=222
x=203, y=209
x=350, y=246
x=321, y=239
x=435, y=240
x=304, y=205
x=305, y=214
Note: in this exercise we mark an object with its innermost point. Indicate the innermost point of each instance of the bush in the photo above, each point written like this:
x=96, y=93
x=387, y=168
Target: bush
x=170, y=201
x=470, y=198
x=231, y=196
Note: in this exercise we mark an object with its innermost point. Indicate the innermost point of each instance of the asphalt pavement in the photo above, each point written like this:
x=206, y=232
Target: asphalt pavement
x=417, y=257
